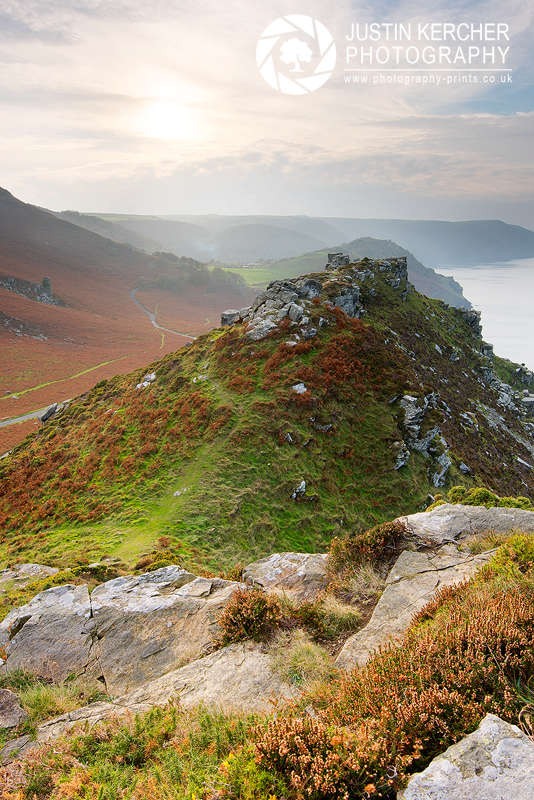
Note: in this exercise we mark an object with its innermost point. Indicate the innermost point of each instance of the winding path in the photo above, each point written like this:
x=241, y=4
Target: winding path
x=153, y=318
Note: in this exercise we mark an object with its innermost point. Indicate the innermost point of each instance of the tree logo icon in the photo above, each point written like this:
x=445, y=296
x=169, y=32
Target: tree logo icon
x=296, y=54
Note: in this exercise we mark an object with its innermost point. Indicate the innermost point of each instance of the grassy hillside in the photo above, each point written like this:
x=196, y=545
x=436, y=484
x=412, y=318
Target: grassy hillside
x=210, y=453
x=425, y=280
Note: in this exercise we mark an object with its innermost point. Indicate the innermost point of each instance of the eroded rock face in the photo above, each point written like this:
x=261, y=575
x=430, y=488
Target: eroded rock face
x=449, y=523
x=47, y=636
x=494, y=762
x=129, y=631
x=411, y=584
x=300, y=575
x=237, y=678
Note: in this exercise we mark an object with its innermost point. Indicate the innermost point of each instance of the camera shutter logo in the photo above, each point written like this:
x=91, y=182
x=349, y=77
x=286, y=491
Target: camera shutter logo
x=296, y=54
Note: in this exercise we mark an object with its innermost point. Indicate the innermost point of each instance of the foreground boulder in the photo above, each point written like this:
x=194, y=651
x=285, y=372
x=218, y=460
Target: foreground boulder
x=413, y=581
x=239, y=678
x=127, y=632
x=302, y=576
x=494, y=762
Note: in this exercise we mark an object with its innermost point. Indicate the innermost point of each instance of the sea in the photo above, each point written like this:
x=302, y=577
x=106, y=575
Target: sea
x=504, y=293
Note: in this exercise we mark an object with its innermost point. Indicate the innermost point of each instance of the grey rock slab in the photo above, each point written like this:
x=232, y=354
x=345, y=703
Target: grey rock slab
x=496, y=762
x=47, y=636
x=239, y=677
x=148, y=625
x=448, y=522
x=411, y=584
x=11, y=714
x=302, y=576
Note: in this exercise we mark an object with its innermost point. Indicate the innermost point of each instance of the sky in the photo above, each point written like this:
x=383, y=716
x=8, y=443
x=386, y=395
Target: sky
x=160, y=108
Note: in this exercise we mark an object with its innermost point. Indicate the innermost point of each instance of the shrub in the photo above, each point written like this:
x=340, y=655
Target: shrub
x=374, y=546
x=463, y=658
x=250, y=614
x=481, y=496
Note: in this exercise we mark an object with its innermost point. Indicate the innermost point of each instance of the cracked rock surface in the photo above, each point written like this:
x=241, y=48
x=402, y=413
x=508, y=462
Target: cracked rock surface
x=493, y=763
x=411, y=584
x=239, y=677
x=129, y=631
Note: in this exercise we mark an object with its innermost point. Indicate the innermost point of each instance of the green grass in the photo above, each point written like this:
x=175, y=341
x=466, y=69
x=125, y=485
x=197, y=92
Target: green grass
x=100, y=478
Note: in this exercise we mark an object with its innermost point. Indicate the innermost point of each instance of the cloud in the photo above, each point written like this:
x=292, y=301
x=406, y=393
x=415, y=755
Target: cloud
x=162, y=103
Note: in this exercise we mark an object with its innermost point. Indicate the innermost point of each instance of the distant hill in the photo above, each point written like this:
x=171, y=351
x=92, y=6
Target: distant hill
x=180, y=238
x=250, y=242
x=66, y=315
x=439, y=243
x=111, y=230
x=434, y=243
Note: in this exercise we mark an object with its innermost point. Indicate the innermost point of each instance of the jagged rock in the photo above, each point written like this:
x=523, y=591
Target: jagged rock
x=438, y=479
x=130, y=630
x=302, y=576
x=239, y=678
x=449, y=523
x=300, y=491
x=229, y=316
x=260, y=329
x=472, y=318
x=337, y=260
x=145, y=626
x=403, y=456
x=494, y=762
x=348, y=301
x=411, y=584
x=48, y=412
x=11, y=714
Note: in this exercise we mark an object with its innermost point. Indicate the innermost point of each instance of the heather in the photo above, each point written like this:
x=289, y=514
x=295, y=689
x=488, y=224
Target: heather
x=354, y=736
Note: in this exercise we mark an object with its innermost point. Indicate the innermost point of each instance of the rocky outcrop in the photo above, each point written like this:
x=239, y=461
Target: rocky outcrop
x=494, y=762
x=40, y=293
x=239, y=677
x=129, y=631
x=337, y=260
x=451, y=523
x=413, y=581
x=293, y=298
x=47, y=636
x=430, y=443
x=302, y=576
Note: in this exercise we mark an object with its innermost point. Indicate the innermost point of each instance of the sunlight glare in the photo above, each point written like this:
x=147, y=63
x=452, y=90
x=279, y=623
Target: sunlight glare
x=168, y=120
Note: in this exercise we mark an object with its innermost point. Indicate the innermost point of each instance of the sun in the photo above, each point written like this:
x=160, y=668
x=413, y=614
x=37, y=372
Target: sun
x=168, y=120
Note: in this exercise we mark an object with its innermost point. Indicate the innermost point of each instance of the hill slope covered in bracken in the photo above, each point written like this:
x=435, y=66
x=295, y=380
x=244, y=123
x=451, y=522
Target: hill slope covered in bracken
x=341, y=399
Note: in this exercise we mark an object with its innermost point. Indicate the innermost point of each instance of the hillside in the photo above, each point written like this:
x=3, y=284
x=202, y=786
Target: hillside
x=434, y=242
x=343, y=398
x=110, y=230
x=439, y=243
x=93, y=328
x=425, y=280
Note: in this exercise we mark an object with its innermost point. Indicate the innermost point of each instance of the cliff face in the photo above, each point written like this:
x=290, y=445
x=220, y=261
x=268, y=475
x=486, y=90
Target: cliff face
x=337, y=400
